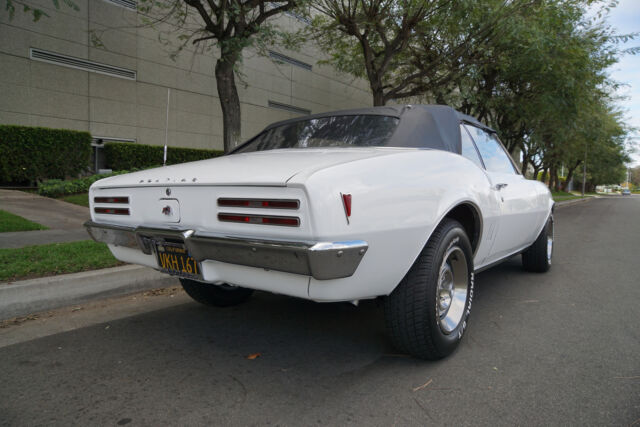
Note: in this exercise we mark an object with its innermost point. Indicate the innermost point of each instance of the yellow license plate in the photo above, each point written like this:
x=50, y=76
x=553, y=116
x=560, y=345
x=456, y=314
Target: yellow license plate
x=174, y=259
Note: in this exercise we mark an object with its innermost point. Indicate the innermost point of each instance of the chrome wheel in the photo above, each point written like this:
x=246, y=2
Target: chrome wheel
x=453, y=283
x=550, y=240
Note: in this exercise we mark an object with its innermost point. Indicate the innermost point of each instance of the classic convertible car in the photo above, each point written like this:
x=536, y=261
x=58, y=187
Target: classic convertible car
x=404, y=203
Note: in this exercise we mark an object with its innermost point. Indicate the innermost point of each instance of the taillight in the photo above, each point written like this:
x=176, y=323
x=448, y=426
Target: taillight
x=289, y=221
x=259, y=203
x=111, y=211
x=122, y=200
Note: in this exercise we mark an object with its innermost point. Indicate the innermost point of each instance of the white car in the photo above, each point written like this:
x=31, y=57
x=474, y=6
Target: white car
x=403, y=203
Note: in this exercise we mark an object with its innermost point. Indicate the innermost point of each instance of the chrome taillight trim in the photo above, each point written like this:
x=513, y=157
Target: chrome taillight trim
x=111, y=211
x=243, y=202
x=241, y=218
x=121, y=200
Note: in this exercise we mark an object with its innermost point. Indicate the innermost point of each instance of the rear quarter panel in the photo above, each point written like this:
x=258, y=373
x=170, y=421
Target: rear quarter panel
x=397, y=201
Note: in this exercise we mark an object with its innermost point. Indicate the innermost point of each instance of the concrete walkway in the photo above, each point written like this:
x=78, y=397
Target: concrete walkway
x=63, y=219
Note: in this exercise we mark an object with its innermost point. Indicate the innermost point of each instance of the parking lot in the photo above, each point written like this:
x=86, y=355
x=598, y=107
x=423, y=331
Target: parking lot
x=541, y=349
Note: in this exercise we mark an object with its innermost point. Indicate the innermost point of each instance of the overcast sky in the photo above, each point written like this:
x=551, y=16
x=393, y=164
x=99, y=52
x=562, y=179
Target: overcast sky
x=626, y=19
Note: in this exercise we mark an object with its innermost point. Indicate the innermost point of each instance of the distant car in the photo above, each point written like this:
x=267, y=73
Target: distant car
x=404, y=203
x=626, y=192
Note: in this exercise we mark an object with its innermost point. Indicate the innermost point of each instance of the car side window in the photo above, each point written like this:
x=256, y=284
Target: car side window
x=468, y=147
x=493, y=155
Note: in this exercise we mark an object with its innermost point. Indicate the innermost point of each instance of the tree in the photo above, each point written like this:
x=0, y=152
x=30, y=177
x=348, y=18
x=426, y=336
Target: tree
x=404, y=48
x=232, y=25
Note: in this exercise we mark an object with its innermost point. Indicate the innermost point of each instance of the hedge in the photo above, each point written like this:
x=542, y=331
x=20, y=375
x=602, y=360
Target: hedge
x=58, y=187
x=29, y=154
x=124, y=155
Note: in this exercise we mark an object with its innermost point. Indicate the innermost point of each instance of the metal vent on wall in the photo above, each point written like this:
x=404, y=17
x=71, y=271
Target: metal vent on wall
x=284, y=58
x=129, y=4
x=81, y=64
x=290, y=108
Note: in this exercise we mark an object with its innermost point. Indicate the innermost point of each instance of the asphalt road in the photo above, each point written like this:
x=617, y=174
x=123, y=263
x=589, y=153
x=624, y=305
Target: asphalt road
x=561, y=348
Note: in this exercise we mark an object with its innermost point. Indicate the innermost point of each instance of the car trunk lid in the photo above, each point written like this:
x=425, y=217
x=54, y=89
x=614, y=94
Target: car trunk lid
x=264, y=168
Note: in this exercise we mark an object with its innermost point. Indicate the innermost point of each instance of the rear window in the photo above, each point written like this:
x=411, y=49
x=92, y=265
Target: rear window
x=334, y=131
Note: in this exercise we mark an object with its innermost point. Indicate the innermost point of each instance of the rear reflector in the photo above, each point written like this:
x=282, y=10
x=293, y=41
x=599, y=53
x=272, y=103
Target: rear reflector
x=111, y=199
x=260, y=203
x=289, y=221
x=112, y=211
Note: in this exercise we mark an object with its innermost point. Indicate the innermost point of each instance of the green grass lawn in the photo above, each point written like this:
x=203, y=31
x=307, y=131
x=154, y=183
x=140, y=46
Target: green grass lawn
x=57, y=258
x=11, y=222
x=77, y=199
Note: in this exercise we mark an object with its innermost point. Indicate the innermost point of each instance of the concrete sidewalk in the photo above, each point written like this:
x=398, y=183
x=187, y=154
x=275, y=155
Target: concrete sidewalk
x=63, y=219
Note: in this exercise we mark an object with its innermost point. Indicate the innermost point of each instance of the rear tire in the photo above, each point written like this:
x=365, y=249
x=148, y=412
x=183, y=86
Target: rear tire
x=427, y=312
x=537, y=257
x=215, y=295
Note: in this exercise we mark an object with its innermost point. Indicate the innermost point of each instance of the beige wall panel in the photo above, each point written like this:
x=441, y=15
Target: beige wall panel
x=111, y=15
x=151, y=94
x=107, y=87
x=15, y=98
x=56, y=123
x=112, y=130
x=270, y=83
x=14, y=69
x=192, y=122
x=48, y=6
x=58, y=25
x=110, y=58
x=58, y=78
x=115, y=40
x=17, y=41
x=58, y=104
x=156, y=74
x=114, y=112
x=151, y=117
x=195, y=82
x=192, y=140
x=150, y=136
x=262, y=116
x=10, y=118
x=192, y=102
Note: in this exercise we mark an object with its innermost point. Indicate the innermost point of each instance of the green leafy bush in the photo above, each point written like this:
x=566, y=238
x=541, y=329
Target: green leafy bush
x=58, y=187
x=29, y=154
x=124, y=155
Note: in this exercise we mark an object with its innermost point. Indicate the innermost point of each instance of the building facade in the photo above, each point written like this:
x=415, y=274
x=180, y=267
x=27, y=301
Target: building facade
x=54, y=74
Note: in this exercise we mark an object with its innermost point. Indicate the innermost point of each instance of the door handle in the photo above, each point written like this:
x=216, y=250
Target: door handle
x=500, y=186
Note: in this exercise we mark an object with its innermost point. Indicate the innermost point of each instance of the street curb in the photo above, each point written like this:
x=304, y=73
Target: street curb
x=48, y=293
x=573, y=202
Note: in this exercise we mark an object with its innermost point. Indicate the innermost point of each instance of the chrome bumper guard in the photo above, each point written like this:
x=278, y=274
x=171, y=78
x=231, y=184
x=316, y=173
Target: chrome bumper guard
x=322, y=260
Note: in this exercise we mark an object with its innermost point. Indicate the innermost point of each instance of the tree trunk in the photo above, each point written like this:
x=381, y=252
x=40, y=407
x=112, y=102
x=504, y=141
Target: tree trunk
x=556, y=179
x=229, y=101
x=544, y=175
x=378, y=96
x=535, y=173
x=570, y=176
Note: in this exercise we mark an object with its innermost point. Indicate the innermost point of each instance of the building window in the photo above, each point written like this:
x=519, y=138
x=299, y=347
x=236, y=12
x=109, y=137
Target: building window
x=290, y=108
x=81, y=64
x=289, y=60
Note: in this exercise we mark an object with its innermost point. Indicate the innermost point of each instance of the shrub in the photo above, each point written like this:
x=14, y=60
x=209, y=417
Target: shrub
x=58, y=187
x=124, y=155
x=29, y=154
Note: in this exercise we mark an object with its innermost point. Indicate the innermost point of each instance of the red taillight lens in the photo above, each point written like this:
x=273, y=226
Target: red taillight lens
x=111, y=199
x=111, y=211
x=346, y=199
x=289, y=221
x=259, y=203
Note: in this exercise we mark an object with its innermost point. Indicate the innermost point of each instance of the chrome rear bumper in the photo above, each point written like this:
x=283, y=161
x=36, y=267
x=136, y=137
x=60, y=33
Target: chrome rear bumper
x=321, y=260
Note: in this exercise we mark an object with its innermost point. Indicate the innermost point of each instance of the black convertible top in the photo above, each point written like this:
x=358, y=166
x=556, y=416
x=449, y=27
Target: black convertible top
x=420, y=126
